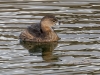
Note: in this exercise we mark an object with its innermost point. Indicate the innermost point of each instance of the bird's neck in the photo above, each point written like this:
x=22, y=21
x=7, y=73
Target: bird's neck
x=46, y=28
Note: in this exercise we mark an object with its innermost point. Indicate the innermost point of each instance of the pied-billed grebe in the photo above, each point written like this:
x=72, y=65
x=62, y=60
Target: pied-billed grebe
x=41, y=32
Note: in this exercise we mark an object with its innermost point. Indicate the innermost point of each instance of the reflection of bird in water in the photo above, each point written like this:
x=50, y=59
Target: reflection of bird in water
x=41, y=49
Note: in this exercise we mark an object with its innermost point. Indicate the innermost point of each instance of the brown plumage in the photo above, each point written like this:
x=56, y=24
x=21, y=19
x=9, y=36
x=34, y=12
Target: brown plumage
x=41, y=32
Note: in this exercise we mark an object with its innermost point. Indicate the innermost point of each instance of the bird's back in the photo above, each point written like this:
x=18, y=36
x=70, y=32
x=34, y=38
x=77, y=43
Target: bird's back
x=35, y=30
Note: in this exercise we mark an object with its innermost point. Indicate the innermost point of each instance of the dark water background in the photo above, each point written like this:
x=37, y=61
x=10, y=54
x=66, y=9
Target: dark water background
x=78, y=51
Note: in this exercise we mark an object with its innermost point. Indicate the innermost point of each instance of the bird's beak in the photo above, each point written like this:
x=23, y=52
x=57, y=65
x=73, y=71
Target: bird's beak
x=58, y=23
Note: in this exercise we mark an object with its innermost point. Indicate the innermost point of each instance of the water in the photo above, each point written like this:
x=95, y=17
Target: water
x=76, y=53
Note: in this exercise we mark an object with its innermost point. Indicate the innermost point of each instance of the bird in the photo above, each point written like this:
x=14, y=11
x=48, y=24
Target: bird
x=42, y=31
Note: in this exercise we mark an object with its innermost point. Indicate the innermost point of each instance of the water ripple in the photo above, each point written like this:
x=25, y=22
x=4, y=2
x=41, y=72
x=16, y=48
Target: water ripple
x=76, y=53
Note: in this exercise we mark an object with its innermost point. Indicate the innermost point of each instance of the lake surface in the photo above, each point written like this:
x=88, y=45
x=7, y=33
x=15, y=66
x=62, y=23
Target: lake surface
x=76, y=53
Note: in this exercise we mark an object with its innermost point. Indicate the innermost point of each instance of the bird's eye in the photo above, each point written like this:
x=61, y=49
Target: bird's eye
x=53, y=20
